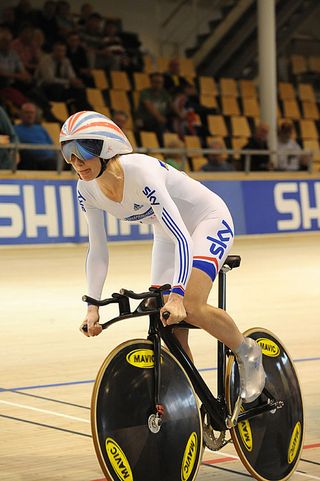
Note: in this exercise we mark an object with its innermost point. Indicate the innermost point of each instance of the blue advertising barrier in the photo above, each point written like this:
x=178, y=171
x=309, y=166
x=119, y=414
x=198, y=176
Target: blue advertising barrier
x=47, y=211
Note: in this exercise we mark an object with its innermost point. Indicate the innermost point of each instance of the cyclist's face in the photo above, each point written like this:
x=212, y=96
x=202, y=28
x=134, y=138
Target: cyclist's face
x=86, y=169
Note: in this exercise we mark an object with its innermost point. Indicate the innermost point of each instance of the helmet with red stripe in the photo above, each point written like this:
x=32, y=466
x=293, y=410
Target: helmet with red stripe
x=108, y=139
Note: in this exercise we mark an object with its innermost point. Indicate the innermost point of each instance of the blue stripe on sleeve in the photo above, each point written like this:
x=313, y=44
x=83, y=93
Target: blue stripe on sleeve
x=184, y=246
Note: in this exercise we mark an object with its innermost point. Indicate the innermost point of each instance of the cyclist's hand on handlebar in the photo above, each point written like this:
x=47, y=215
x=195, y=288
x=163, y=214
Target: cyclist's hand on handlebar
x=175, y=306
x=92, y=322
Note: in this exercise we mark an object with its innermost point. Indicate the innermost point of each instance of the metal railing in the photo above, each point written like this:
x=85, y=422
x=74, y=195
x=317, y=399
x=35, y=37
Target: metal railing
x=184, y=152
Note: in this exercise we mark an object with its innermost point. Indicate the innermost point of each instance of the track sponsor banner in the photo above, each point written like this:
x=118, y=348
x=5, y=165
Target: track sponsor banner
x=38, y=211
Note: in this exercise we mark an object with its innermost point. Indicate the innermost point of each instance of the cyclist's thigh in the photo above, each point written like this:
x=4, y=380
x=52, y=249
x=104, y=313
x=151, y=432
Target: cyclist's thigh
x=212, y=241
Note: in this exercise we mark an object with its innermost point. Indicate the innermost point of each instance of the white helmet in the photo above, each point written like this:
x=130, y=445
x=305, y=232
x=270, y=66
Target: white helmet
x=87, y=126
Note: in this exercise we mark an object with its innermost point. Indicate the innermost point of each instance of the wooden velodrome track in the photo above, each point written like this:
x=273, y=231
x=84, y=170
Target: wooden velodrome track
x=48, y=367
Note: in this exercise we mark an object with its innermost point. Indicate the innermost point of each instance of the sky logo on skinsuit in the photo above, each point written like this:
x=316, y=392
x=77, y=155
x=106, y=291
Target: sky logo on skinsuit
x=219, y=244
x=81, y=200
x=150, y=195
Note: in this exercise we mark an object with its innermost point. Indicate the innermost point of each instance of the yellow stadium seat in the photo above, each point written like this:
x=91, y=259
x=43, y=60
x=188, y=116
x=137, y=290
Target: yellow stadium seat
x=308, y=129
x=53, y=129
x=217, y=125
x=240, y=127
x=310, y=110
x=141, y=80
x=207, y=86
x=286, y=91
x=100, y=79
x=120, y=80
x=59, y=110
x=230, y=105
x=306, y=92
x=95, y=97
x=291, y=109
x=228, y=87
x=119, y=100
x=247, y=88
x=251, y=107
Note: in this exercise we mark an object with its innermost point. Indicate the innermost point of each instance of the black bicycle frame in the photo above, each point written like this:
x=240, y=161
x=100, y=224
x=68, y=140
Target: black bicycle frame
x=215, y=407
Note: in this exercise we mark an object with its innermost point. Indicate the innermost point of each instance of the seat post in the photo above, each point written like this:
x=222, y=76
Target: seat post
x=221, y=360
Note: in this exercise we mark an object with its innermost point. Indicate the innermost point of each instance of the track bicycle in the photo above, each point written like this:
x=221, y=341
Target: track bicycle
x=152, y=414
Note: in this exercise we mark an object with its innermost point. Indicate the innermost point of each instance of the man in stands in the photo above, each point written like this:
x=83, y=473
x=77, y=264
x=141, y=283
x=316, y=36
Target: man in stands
x=154, y=107
x=30, y=132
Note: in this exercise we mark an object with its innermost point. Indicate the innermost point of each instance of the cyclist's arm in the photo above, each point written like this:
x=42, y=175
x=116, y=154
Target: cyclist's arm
x=97, y=257
x=155, y=192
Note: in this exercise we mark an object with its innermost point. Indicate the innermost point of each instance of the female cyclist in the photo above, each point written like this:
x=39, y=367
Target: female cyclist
x=193, y=232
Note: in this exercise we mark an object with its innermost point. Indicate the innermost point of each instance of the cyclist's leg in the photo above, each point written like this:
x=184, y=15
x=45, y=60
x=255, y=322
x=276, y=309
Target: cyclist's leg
x=162, y=273
x=212, y=241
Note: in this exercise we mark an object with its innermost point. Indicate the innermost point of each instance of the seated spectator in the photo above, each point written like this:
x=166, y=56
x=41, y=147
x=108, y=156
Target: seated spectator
x=77, y=55
x=176, y=159
x=187, y=111
x=58, y=79
x=218, y=161
x=154, y=107
x=173, y=80
x=13, y=75
x=85, y=12
x=26, y=47
x=286, y=160
x=7, y=135
x=45, y=19
x=24, y=12
x=91, y=36
x=8, y=20
x=16, y=84
x=30, y=132
x=64, y=19
x=259, y=141
x=120, y=117
x=112, y=43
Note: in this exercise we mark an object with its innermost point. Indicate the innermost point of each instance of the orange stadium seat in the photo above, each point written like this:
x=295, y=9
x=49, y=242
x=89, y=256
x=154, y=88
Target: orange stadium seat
x=207, y=86
x=250, y=107
x=286, y=91
x=217, y=126
x=228, y=87
x=291, y=109
x=310, y=110
x=119, y=100
x=59, y=110
x=306, y=92
x=308, y=129
x=100, y=79
x=247, y=88
x=240, y=127
x=95, y=97
x=120, y=80
x=230, y=105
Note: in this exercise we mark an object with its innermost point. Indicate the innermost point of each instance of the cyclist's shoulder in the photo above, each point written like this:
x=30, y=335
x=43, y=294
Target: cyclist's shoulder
x=140, y=165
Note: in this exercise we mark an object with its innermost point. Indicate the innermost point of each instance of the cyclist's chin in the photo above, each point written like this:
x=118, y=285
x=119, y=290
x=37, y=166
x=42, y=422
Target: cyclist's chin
x=86, y=174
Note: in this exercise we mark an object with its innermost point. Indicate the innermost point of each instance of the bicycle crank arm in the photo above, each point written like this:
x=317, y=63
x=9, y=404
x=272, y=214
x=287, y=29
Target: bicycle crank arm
x=232, y=420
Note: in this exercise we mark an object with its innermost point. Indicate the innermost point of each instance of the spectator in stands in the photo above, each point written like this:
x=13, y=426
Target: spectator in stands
x=120, y=117
x=177, y=160
x=85, y=12
x=218, y=161
x=154, y=107
x=13, y=76
x=7, y=135
x=112, y=43
x=58, y=79
x=30, y=132
x=24, y=12
x=16, y=84
x=77, y=55
x=91, y=36
x=259, y=141
x=173, y=80
x=26, y=47
x=46, y=21
x=287, y=160
x=8, y=20
x=187, y=111
x=64, y=19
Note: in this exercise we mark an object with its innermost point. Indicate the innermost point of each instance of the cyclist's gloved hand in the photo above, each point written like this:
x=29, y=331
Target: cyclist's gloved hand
x=175, y=306
x=92, y=322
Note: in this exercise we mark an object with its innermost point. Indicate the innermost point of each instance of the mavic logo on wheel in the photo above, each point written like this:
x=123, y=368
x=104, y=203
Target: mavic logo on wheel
x=118, y=460
x=219, y=243
x=294, y=442
x=143, y=358
x=246, y=434
x=268, y=347
x=189, y=457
